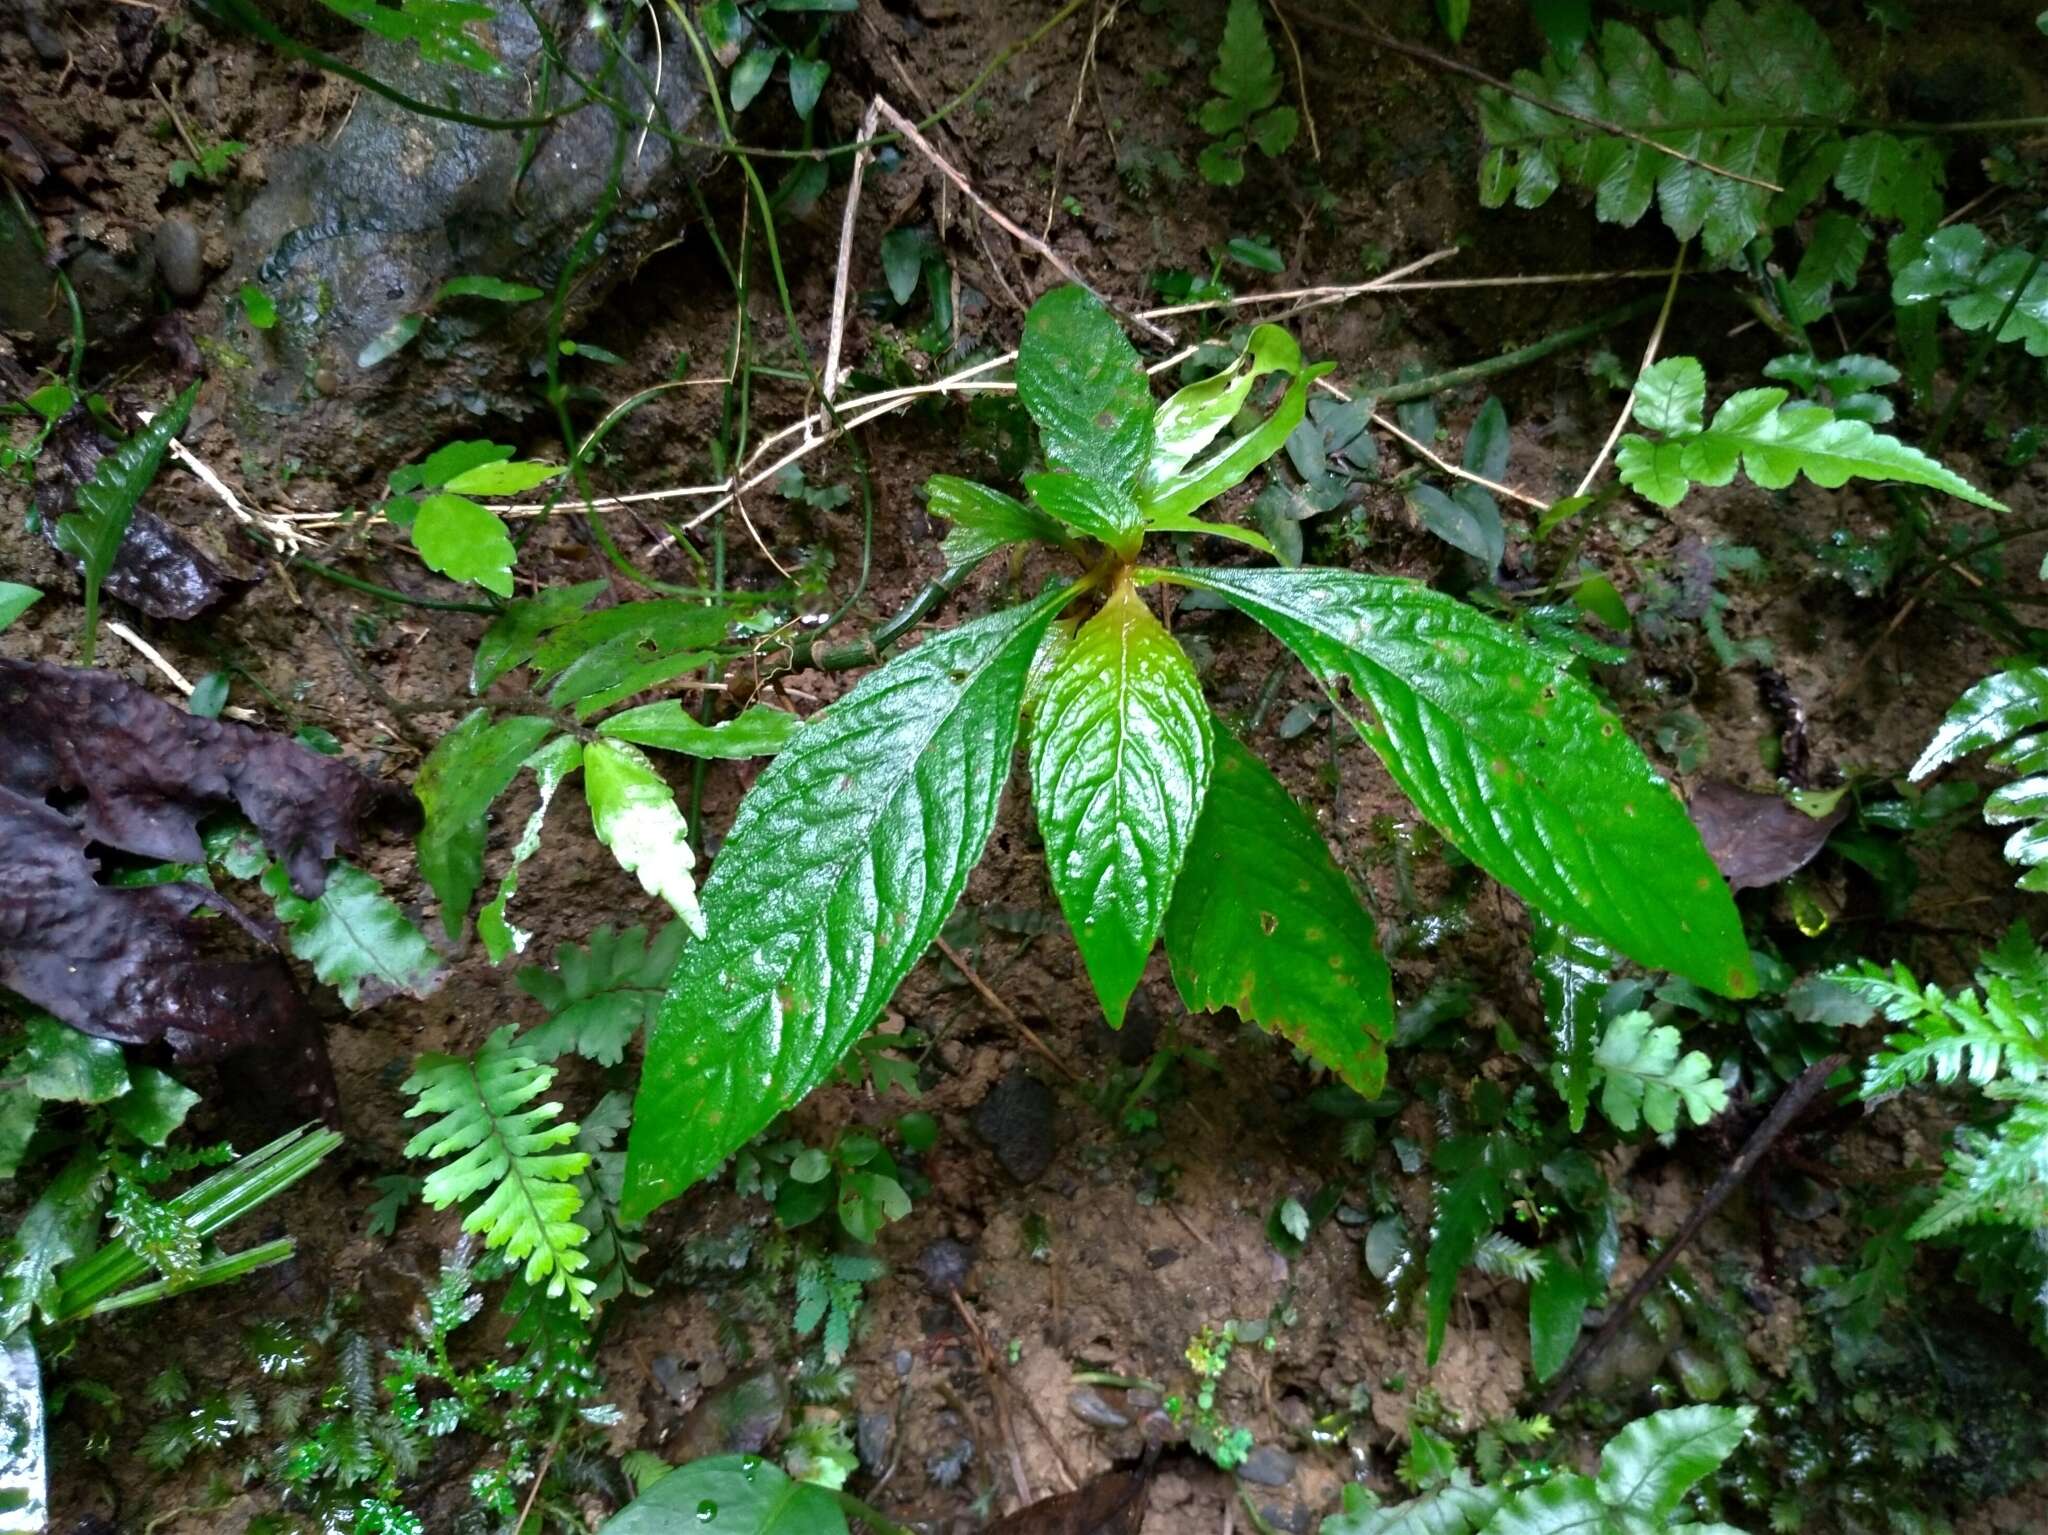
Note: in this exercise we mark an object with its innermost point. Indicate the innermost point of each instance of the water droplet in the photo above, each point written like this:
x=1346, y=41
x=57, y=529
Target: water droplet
x=706, y=1511
x=749, y=1464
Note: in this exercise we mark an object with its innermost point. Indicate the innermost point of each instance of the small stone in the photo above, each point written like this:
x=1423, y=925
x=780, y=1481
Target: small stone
x=1268, y=1466
x=741, y=1419
x=1162, y=1257
x=1801, y=1197
x=1293, y=1518
x=680, y=1383
x=1016, y=1119
x=1086, y=1403
x=179, y=257
x=874, y=1435
x=945, y=1266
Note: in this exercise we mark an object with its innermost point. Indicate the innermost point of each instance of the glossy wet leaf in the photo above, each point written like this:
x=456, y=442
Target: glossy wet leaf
x=15, y=600
x=1557, y=1310
x=355, y=937
x=1192, y=418
x=1080, y=378
x=1572, y=974
x=1648, y=1467
x=24, y=1465
x=1513, y=759
x=515, y=634
x=1472, y=1173
x=465, y=542
x=635, y=814
x=468, y=768
x=154, y=1106
x=984, y=520
x=58, y=1227
x=91, y=533
x=1567, y=1504
x=496, y=289
x=1994, y=710
x=1173, y=501
x=1265, y=923
x=729, y=1495
x=550, y=765
x=390, y=341
x=1091, y=508
x=64, y=1066
x=1120, y=753
x=1459, y=1508
x=845, y=858
x=757, y=731
x=1773, y=442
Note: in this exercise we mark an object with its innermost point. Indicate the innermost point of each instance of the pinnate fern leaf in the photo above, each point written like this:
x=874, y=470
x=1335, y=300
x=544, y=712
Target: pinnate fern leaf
x=504, y=1149
x=1645, y=1080
x=1771, y=441
x=1996, y=711
x=1960, y=269
x=601, y=992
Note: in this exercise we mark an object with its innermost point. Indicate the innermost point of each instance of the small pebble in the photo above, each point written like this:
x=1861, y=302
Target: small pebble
x=1087, y=1404
x=1016, y=1119
x=874, y=1434
x=1162, y=1257
x=945, y=1266
x=1268, y=1466
x=179, y=257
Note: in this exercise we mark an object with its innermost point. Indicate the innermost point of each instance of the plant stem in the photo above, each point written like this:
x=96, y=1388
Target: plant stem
x=1520, y=357
x=371, y=588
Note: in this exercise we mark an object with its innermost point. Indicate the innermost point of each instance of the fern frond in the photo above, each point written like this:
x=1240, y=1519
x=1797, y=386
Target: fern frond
x=1772, y=441
x=1646, y=1080
x=1997, y=1176
x=506, y=1152
x=1500, y=1256
x=1995, y=711
x=1958, y=267
x=1969, y=1036
x=600, y=993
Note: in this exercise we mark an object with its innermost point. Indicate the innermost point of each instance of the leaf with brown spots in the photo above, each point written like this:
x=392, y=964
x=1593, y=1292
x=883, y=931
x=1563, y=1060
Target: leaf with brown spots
x=1265, y=922
x=1758, y=839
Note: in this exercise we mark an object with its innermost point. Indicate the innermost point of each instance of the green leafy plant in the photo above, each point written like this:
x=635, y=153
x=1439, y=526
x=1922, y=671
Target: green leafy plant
x=895, y=786
x=454, y=535
x=212, y=164
x=440, y=29
x=748, y=31
x=510, y=1154
x=1977, y=285
x=588, y=662
x=1994, y=713
x=15, y=600
x=1732, y=128
x=1771, y=441
x=91, y=533
x=1208, y=1355
x=1644, y=1474
x=1242, y=112
x=403, y=331
x=1646, y=1080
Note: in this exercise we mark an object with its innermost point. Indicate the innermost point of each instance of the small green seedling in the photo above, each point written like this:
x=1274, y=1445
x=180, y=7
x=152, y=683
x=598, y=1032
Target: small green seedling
x=854, y=846
x=1241, y=113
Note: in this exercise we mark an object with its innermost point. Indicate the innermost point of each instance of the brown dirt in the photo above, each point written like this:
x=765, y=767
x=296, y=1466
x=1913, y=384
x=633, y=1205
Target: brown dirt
x=1152, y=1237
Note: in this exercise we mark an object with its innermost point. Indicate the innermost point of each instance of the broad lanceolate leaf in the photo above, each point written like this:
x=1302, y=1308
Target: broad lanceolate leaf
x=744, y=1495
x=468, y=768
x=599, y=994
x=1191, y=419
x=1513, y=759
x=1170, y=503
x=845, y=858
x=91, y=533
x=1103, y=512
x=635, y=814
x=1996, y=709
x=1572, y=973
x=984, y=520
x=1558, y=1299
x=355, y=937
x=465, y=542
x=1264, y=922
x=1471, y=1196
x=551, y=764
x=1080, y=378
x=1773, y=442
x=1647, y=1468
x=516, y=632
x=1645, y=1079
x=758, y=731
x=1459, y=1508
x=1120, y=756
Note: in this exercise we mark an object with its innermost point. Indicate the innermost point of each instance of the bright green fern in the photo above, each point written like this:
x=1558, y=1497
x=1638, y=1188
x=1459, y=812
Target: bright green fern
x=1646, y=1080
x=1994, y=713
x=1771, y=441
x=506, y=1152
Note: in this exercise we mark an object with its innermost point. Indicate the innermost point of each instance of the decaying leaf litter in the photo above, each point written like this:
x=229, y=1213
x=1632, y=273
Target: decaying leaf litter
x=1085, y=1297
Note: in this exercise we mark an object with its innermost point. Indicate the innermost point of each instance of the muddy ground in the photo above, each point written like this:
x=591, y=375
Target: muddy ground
x=1125, y=1244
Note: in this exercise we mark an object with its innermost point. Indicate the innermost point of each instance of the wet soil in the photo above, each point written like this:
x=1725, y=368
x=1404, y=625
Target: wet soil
x=1126, y=1244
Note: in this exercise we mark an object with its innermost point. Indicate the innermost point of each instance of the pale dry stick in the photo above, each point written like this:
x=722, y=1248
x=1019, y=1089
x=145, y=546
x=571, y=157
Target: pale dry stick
x=1445, y=465
x=846, y=221
x=1100, y=21
x=1066, y=269
x=277, y=528
x=1003, y=1009
x=1333, y=293
x=171, y=674
x=1649, y=357
x=999, y=1383
x=653, y=105
x=1308, y=118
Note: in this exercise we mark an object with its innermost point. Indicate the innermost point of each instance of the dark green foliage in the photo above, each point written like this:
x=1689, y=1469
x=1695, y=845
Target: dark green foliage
x=1242, y=113
x=1994, y=713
